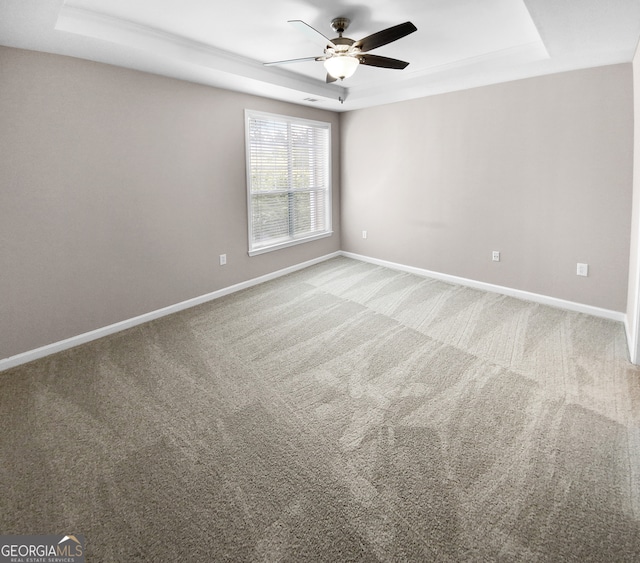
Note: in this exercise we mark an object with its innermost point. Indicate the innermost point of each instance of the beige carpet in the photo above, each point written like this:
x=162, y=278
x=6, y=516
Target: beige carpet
x=346, y=412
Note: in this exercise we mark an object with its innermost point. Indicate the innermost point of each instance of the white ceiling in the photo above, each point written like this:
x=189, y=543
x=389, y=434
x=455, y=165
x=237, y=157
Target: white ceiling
x=459, y=43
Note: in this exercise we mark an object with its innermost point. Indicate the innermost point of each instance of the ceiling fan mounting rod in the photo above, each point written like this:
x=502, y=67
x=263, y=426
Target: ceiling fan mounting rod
x=340, y=25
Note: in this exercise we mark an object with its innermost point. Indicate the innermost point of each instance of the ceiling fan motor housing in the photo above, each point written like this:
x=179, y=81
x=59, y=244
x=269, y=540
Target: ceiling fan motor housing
x=342, y=45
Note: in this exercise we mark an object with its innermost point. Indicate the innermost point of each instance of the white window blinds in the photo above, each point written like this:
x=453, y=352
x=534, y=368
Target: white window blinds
x=288, y=178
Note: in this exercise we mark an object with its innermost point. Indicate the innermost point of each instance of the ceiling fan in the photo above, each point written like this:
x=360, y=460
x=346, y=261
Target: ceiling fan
x=343, y=55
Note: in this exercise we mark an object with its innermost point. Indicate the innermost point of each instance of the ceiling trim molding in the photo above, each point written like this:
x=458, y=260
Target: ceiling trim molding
x=96, y=25
x=492, y=63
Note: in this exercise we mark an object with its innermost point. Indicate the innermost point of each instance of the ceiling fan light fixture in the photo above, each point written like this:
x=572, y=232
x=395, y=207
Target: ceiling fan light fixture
x=341, y=66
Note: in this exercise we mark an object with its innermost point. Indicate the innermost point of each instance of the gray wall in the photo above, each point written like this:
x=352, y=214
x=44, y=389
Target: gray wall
x=539, y=169
x=118, y=191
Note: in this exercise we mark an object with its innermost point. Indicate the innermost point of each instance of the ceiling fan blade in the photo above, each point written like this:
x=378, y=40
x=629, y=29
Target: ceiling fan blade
x=385, y=36
x=306, y=59
x=330, y=78
x=312, y=33
x=383, y=62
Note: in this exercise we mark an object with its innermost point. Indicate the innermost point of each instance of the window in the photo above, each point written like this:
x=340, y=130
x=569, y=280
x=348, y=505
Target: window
x=288, y=180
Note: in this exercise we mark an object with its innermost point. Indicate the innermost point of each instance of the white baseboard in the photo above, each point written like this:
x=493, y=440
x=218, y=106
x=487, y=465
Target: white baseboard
x=527, y=296
x=74, y=341
x=631, y=346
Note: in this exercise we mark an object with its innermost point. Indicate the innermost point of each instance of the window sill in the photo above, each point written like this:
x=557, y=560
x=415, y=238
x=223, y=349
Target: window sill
x=288, y=243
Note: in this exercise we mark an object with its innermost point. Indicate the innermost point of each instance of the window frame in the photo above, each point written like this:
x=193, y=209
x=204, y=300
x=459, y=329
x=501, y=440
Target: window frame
x=292, y=239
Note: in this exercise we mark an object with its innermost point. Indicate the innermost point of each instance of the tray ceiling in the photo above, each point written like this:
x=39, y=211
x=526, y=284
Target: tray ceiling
x=459, y=43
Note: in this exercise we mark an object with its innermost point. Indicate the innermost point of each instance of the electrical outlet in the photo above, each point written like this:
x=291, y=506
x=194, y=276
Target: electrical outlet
x=223, y=259
x=364, y=234
x=495, y=256
x=582, y=269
